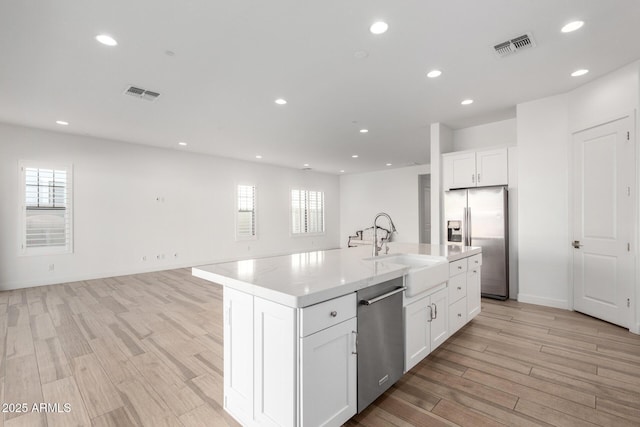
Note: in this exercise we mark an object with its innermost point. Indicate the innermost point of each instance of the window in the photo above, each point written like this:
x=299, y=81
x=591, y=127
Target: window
x=246, y=215
x=46, y=210
x=307, y=212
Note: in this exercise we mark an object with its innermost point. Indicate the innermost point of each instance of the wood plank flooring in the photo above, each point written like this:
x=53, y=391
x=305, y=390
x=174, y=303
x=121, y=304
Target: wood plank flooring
x=146, y=350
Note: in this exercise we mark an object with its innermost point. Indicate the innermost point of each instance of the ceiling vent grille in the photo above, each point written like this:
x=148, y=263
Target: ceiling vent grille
x=137, y=92
x=514, y=45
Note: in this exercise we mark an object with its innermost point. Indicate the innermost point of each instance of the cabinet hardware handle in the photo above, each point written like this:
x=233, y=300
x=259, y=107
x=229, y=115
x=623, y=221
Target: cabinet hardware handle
x=459, y=314
x=473, y=178
x=478, y=177
x=475, y=271
x=334, y=313
x=459, y=267
x=459, y=288
x=430, y=318
x=355, y=342
x=435, y=311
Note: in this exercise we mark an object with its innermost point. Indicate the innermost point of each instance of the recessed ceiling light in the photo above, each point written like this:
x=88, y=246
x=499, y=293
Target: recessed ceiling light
x=341, y=170
x=572, y=26
x=106, y=40
x=258, y=156
x=467, y=102
x=62, y=123
x=280, y=101
x=579, y=73
x=182, y=143
x=434, y=73
x=379, y=27
x=364, y=130
x=388, y=164
x=306, y=165
x=355, y=156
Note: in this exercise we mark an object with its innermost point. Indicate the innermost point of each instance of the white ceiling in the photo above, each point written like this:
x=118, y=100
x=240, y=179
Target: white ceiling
x=234, y=58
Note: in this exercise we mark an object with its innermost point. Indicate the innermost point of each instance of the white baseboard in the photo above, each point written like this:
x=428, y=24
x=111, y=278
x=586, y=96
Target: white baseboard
x=547, y=302
x=635, y=328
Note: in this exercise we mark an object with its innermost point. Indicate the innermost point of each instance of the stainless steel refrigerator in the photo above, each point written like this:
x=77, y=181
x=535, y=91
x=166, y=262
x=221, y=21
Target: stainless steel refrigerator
x=479, y=217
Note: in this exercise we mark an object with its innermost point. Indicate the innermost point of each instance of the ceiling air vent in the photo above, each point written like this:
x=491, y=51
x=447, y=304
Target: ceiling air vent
x=137, y=92
x=514, y=45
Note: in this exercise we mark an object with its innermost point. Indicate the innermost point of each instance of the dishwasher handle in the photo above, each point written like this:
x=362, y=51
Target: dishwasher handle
x=383, y=296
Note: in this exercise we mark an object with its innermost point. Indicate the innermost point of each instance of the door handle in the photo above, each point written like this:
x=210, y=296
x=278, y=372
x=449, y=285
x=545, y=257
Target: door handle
x=576, y=244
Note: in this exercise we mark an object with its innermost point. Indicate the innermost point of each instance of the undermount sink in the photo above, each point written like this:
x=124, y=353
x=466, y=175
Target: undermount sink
x=424, y=273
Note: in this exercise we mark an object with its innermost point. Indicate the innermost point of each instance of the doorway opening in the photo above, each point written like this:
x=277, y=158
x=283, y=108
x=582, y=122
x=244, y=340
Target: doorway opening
x=424, y=207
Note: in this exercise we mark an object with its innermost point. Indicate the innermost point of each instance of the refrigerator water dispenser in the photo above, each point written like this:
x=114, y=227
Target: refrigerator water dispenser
x=454, y=231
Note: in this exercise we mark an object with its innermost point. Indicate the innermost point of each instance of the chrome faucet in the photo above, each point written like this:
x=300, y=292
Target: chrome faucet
x=376, y=248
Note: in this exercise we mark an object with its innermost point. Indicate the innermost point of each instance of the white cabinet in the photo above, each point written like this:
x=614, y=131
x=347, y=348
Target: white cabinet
x=464, y=291
x=475, y=169
x=425, y=326
x=289, y=367
x=491, y=167
x=473, y=286
x=238, y=355
x=274, y=361
x=329, y=375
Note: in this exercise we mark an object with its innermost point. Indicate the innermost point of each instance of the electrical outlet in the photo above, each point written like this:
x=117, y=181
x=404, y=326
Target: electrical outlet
x=52, y=267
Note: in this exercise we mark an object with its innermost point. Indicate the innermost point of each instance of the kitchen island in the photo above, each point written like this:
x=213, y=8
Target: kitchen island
x=290, y=326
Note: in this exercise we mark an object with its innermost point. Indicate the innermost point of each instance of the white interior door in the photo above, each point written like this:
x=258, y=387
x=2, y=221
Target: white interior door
x=603, y=256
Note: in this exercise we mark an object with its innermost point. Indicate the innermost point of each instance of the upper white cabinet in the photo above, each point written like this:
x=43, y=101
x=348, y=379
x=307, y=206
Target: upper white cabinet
x=475, y=169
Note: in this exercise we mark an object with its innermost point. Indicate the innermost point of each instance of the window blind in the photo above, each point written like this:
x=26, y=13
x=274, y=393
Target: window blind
x=307, y=211
x=246, y=214
x=47, y=209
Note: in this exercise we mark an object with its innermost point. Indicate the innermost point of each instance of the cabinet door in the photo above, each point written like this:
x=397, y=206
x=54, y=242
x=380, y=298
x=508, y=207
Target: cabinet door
x=329, y=375
x=275, y=339
x=459, y=170
x=473, y=292
x=440, y=318
x=491, y=167
x=238, y=355
x=417, y=339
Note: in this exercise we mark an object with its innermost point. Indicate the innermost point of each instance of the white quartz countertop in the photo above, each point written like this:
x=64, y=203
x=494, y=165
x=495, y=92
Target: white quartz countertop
x=304, y=279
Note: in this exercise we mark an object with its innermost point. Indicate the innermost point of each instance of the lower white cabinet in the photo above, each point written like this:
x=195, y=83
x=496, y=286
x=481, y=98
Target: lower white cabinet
x=238, y=355
x=274, y=363
x=425, y=326
x=464, y=291
x=274, y=376
x=473, y=292
x=329, y=375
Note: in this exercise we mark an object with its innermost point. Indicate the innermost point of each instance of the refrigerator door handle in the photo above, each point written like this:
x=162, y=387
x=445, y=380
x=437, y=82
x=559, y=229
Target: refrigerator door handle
x=468, y=220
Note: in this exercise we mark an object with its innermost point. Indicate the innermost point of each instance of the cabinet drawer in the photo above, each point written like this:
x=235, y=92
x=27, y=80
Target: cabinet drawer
x=320, y=316
x=457, y=315
x=457, y=288
x=475, y=261
x=457, y=267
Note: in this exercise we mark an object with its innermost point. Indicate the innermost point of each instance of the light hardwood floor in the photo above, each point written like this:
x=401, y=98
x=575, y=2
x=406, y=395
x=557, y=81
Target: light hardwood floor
x=146, y=350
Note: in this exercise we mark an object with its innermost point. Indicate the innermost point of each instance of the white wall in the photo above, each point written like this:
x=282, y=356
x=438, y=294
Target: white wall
x=394, y=191
x=544, y=130
x=543, y=207
x=117, y=219
x=496, y=134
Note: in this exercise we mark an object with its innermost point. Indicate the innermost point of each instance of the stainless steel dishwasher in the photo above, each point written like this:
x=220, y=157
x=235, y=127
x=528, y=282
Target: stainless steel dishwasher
x=380, y=340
